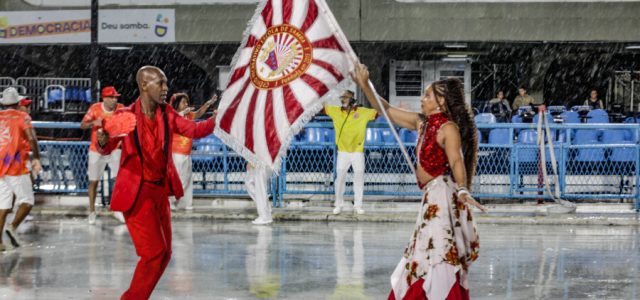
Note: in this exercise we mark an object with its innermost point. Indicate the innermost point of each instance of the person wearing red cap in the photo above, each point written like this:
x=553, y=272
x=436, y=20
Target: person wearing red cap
x=25, y=105
x=98, y=161
x=181, y=148
x=148, y=176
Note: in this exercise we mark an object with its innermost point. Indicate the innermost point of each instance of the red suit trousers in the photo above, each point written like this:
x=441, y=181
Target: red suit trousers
x=149, y=224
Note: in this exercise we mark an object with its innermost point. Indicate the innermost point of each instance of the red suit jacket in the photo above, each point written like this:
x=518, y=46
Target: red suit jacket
x=129, y=178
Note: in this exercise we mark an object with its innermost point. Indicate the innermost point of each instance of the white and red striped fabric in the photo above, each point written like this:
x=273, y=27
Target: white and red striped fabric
x=292, y=55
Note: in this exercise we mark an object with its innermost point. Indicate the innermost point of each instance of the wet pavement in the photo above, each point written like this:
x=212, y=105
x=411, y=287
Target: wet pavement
x=69, y=259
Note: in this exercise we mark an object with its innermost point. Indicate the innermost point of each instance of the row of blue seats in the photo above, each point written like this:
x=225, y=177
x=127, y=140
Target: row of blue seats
x=568, y=117
x=71, y=94
x=316, y=135
x=500, y=136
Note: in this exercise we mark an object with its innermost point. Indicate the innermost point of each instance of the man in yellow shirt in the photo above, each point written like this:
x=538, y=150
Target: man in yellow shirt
x=350, y=123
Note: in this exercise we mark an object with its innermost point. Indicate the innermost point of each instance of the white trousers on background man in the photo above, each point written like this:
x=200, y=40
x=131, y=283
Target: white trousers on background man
x=184, y=167
x=257, y=184
x=346, y=160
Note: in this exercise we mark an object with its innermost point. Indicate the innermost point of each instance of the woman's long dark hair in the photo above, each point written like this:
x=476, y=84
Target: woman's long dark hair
x=459, y=112
x=177, y=98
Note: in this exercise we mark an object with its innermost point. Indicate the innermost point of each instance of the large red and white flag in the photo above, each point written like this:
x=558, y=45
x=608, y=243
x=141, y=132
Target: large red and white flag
x=293, y=53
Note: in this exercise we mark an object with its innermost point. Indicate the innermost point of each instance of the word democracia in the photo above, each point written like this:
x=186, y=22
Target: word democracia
x=44, y=29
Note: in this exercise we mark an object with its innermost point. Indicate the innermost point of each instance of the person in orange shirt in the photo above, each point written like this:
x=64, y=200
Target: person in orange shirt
x=181, y=148
x=24, y=105
x=97, y=162
x=15, y=129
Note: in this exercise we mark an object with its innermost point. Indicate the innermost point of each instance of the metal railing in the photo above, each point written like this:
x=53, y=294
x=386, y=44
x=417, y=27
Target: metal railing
x=71, y=89
x=508, y=164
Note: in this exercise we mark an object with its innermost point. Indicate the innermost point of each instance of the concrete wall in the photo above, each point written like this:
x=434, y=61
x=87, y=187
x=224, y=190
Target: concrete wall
x=500, y=21
x=389, y=20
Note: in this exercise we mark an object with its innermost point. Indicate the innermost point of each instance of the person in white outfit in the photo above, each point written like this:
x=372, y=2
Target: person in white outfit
x=350, y=123
x=97, y=162
x=181, y=149
x=257, y=184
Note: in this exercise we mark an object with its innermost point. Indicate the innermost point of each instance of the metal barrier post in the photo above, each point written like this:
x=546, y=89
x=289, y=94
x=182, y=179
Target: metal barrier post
x=225, y=167
x=563, y=163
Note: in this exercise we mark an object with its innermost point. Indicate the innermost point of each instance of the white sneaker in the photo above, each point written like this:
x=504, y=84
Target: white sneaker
x=92, y=218
x=189, y=208
x=260, y=221
x=119, y=216
x=13, y=237
x=172, y=207
x=337, y=210
x=359, y=211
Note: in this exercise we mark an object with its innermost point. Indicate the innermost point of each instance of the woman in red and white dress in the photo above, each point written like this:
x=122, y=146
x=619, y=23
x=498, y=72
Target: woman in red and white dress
x=181, y=148
x=445, y=241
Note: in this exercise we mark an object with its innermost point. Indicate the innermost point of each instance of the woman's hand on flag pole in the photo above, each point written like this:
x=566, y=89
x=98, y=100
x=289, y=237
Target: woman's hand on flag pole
x=211, y=101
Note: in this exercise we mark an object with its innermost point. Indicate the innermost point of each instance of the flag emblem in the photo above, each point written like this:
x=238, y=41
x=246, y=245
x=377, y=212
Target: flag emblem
x=292, y=54
x=282, y=55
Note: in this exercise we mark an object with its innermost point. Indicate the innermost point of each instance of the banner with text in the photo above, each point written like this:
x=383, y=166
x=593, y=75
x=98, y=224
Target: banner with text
x=74, y=26
x=45, y=27
x=136, y=26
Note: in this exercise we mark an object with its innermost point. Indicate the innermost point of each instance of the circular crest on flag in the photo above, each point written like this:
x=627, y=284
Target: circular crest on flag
x=281, y=55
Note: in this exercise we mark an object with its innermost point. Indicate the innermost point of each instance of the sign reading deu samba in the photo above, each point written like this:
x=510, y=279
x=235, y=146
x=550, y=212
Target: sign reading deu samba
x=74, y=26
x=136, y=25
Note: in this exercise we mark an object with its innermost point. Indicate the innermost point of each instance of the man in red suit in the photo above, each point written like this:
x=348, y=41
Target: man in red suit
x=147, y=176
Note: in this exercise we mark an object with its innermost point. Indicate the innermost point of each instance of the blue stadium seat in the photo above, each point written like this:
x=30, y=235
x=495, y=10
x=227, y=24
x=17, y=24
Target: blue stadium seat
x=386, y=135
x=499, y=136
x=570, y=117
x=528, y=137
x=632, y=120
x=54, y=96
x=329, y=135
x=485, y=118
x=299, y=137
x=588, y=137
x=516, y=119
x=380, y=119
x=210, y=143
x=314, y=135
x=372, y=136
x=629, y=134
x=87, y=96
x=479, y=134
x=547, y=114
x=408, y=136
x=69, y=93
x=598, y=116
x=585, y=136
x=618, y=154
x=577, y=108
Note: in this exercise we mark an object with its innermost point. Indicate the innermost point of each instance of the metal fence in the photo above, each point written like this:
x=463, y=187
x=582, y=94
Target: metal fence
x=595, y=161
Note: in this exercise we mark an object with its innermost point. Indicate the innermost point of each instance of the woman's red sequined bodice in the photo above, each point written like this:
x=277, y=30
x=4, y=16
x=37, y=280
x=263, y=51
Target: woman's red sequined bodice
x=431, y=156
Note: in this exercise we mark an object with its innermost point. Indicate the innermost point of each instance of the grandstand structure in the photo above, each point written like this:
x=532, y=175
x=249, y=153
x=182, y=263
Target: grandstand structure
x=557, y=49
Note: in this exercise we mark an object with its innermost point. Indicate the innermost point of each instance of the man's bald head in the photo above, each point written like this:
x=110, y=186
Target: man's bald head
x=148, y=73
x=152, y=84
